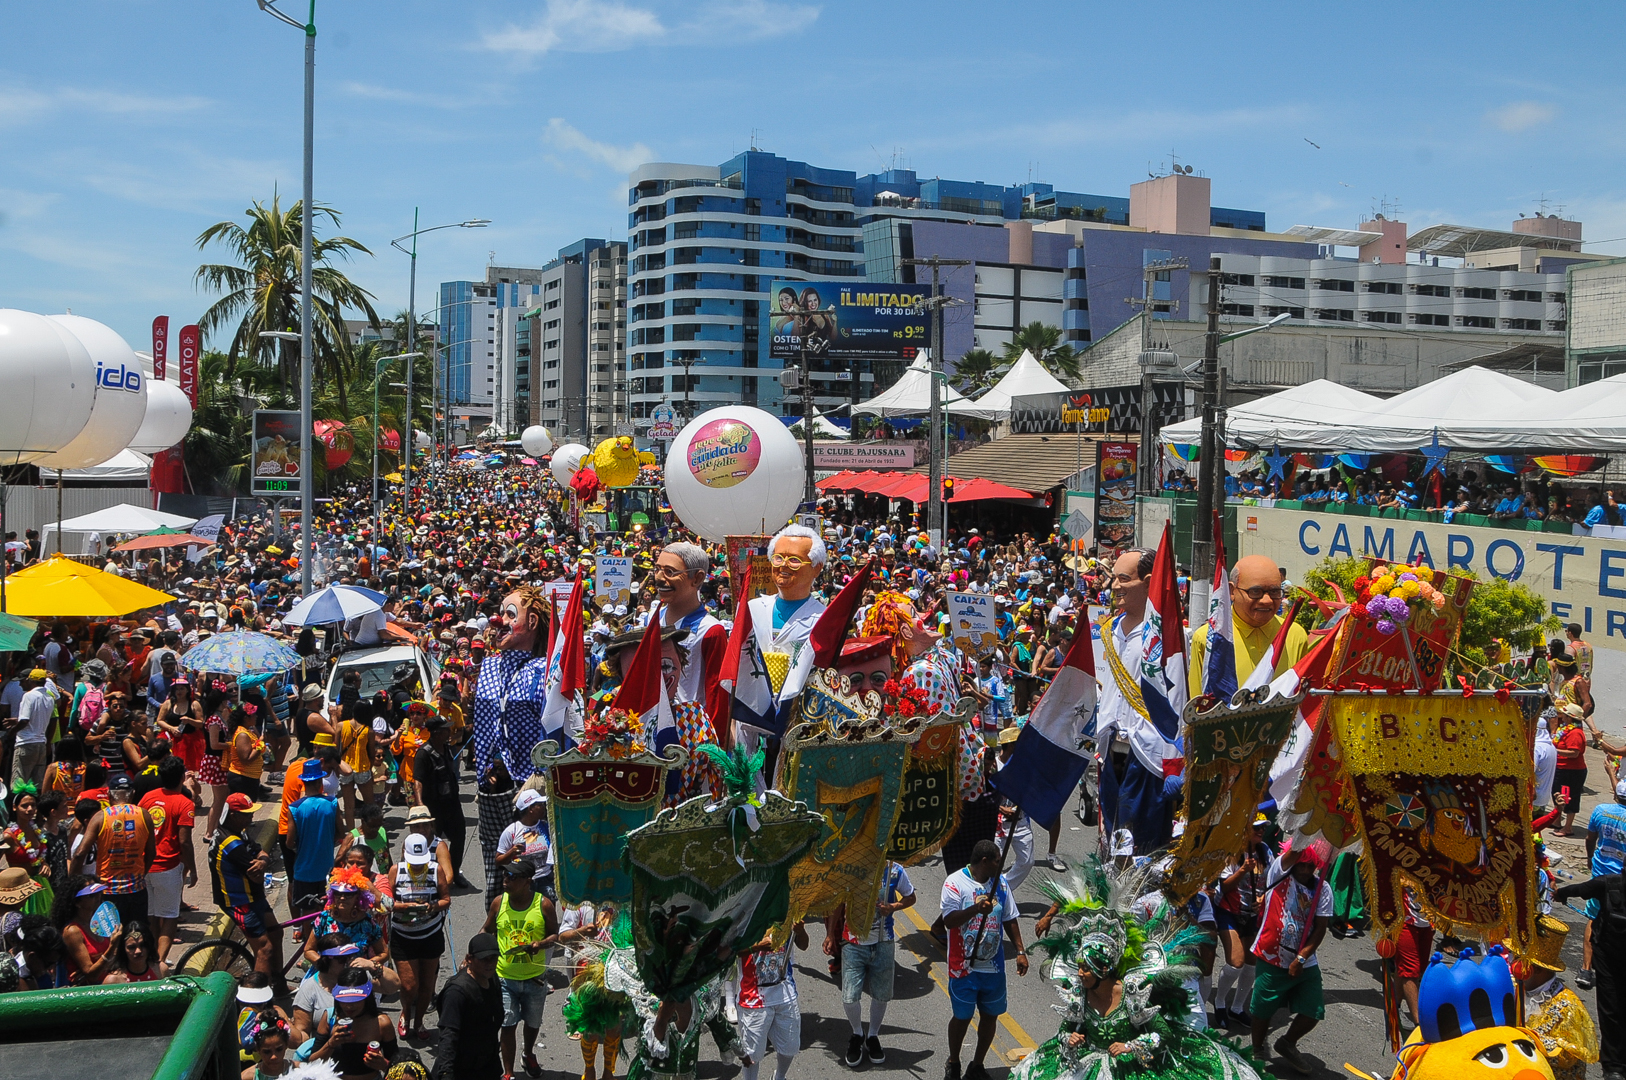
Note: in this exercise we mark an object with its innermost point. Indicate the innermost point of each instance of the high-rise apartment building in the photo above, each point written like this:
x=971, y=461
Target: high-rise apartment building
x=569, y=346
x=470, y=328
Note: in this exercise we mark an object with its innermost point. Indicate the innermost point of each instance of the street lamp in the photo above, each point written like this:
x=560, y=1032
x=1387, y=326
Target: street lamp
x=304, y=465
x=306, y=229
x=412, y=330
x=378, y=365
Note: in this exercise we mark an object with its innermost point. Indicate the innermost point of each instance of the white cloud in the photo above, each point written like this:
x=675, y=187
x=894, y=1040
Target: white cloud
x=1521, y=116
x=620, y=158
x=374, y=92
x=579, y=26
x=593, y=26
x=21, y=104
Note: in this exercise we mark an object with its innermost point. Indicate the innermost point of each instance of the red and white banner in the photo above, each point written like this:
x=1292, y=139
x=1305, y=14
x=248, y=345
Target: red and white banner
x=189, y=363
x=389, y=439
x=160, y=347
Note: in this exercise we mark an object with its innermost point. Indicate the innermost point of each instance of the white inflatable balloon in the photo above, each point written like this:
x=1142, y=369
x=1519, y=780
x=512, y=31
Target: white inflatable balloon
x=121, y=397
x=536, y=441
x=733, y=471
x=566, y=460
x=47, y=387
x=168, y=418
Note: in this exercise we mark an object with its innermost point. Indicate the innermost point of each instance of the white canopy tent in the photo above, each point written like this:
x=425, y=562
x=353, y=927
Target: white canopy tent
x=1309, y=417
x=123, y=518
x=1588, y=418
x=911, y=396
x=1025, y=378
x=822, y=427
x=125, y=465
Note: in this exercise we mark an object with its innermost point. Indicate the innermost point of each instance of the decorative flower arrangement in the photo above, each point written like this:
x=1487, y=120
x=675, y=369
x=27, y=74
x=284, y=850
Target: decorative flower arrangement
x=903, y=700
x=1389, y=597
x=615, y=731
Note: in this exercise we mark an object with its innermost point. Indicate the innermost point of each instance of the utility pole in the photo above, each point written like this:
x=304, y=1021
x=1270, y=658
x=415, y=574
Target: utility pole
x=1146, y=471
x=934, y=464
x=810, y=492
x=1210, y=457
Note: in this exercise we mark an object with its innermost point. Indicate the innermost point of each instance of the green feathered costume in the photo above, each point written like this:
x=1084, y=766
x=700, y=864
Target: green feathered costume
x=1097, y=931
x=593, y=1009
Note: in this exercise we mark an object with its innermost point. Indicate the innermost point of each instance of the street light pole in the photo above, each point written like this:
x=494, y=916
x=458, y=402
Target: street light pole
x=1209, y=456
x=378, y=366
x=934, y=463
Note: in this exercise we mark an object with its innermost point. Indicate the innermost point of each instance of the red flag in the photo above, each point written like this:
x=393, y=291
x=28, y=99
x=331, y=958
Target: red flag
x=1164, y=596
x=641, y=690
x=160, y=346
x=739, y=635
x=189, y=363
x=573, y=656
x=830, y=631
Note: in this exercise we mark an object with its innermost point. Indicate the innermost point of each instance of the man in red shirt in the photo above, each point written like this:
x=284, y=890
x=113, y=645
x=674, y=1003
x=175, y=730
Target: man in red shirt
x=174, y=867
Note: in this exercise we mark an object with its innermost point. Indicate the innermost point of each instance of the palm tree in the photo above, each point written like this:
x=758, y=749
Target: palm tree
x=1045, y=343
x=262, y=289
x=977, y=371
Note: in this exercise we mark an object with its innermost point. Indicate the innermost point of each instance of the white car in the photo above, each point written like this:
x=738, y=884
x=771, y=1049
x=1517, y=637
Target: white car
x=377, y=666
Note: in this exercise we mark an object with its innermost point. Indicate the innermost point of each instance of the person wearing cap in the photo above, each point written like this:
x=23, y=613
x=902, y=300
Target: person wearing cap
x=314, y=995
x=527, y=837
x=313, y=827
x=419, y=820
x=435, y=781
x=237, y=876
x=526, y=925
x=470, y=1016
x=422, y=893
x=126, y=844
x=1570, y=742
x=32, y=725
x=1563, y=1028
x=88, y=955
x=174, y=865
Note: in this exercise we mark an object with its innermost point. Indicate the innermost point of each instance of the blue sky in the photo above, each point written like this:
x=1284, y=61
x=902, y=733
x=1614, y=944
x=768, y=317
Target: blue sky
x=130, y=126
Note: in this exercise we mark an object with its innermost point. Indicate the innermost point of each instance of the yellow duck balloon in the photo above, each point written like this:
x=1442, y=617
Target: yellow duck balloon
x=616, y=462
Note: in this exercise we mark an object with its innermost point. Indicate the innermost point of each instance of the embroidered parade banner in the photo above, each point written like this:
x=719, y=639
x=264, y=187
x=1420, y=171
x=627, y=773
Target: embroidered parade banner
x=1408, y=652
x=594, y=802
x=929, y=800
x=1229, y=751
x=709, y=876
x=1439, y=787
x=848, y=768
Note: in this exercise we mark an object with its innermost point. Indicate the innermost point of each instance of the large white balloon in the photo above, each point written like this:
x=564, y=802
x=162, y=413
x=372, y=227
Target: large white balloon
x=168, y=418
x=733, y=471
x=536, y=440
x=47, y=387
x=121, y=396
x=566, y=460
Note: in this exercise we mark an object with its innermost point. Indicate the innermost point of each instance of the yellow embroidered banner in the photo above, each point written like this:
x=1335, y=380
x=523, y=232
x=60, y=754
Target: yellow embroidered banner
x=1440, y=785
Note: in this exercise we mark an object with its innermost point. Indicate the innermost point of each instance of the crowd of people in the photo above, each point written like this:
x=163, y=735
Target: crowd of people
x=116, y=746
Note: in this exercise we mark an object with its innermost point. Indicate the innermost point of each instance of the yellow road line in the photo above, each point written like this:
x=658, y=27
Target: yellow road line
x=1024, y=1041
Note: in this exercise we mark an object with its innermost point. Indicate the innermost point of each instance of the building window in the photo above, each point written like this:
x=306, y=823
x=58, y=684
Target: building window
x=1231, y=279
x=1277, y=281
x=1557, y=298
x=1530, y=296
x=1477, y=294
x=1334, y=314
x=551, y=304
x=550, y=286
x=1431, y=290
x=1478, y=322
x=1424, y=319
x=1558, y=324
x=1521, y=324
x=1390, y=287
x=1290, y=312
x=1332, y=285
x=1237, y=309
x=1381, y=316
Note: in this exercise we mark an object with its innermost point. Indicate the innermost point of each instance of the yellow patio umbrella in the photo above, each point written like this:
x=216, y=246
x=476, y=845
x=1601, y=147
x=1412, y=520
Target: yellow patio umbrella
x=394, y=478
x=61, y=588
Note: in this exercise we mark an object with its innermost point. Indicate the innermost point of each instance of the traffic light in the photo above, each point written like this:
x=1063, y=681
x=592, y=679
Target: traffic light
x=948, y=488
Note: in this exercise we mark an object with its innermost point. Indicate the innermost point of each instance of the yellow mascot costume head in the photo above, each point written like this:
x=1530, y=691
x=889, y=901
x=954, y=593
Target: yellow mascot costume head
x=1467, y=1024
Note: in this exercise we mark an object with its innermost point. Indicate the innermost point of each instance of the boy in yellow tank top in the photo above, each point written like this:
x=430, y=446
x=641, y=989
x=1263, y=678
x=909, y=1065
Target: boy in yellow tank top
x=526, y=925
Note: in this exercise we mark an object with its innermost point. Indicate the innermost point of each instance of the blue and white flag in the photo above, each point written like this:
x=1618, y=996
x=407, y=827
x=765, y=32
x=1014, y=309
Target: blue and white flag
x=1219, y=674
x=1055, y=746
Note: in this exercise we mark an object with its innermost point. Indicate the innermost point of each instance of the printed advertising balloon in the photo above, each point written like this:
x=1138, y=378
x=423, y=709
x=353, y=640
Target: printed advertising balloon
x=47, y=386
x=167, y=420
x=566, y=460
x=121, y=396
x=734, y=470
x=536, y=441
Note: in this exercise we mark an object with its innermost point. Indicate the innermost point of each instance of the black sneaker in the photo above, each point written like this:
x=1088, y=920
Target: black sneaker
x=951, y=1071
x=1584, y=979
x=876, y=1054
x=855, y=1052
x=976, y=1072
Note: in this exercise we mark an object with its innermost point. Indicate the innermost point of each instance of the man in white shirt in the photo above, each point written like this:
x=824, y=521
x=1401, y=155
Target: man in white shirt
x=868, y=963
x=767, y=1004
x=33, y=725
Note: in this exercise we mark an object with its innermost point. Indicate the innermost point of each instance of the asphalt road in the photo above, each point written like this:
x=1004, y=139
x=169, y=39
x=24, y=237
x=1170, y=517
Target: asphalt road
x=914, y=1031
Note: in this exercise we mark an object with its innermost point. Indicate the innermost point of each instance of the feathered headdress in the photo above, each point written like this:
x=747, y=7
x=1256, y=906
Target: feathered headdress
x=890, y=611
x=740, y=785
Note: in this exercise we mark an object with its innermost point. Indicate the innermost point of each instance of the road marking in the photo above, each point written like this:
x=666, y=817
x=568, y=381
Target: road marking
x=1024, y=1041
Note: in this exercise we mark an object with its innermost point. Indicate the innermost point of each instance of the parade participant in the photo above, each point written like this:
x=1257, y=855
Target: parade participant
x=422, y=896
x=126, y=843
x=593, y=1012
x=436, y=780
x=237, y=873
x=767, y=1004
x=527, y=837
x=776, y=660
x=1123, y=977
x=691, y=725
x=313, y=826
x=1570, y=776
x=869, y=962
x=470, y=1017
x=669, y=1040
x=1256, y=601
x=357, y=1038
x=88, y=954
x=508, y=696
x=1292, y=924
x=525, y=924
x=1236, y=914
x=1606, y=854
x=23, y=843
x=976, y=905
x=174, y=867
x=1014, y=821
x=349, y=913
x=1552, y=1010
x=678, y=573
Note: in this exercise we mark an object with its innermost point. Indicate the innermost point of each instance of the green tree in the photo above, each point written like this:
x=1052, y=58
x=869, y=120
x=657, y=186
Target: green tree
x=977, y=371
x=1045, y=343
x=262, y=289
x=1497, y=608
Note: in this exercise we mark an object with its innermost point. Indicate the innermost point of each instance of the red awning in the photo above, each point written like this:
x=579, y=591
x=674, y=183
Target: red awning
x=977, y=489
x=910, y=486
x=838, y=482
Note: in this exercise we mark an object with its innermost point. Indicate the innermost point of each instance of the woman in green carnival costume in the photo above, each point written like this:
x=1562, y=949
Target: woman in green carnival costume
x=1121, y=978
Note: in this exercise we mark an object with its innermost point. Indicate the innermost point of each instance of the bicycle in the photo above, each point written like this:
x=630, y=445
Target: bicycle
x=236, y=958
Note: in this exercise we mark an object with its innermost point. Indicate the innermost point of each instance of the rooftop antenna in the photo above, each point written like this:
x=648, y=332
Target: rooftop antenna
x=754, y=140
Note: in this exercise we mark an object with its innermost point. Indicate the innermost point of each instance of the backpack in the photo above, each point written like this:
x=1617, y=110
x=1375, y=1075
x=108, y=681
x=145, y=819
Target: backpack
x=91, y=707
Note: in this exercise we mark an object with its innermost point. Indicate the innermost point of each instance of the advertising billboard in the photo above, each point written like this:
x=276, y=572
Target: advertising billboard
x=846, y=320
x=1115, y=495
x=275, y=461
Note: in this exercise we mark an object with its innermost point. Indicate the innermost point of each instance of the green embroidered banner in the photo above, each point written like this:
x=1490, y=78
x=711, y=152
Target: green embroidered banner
x=929, y=799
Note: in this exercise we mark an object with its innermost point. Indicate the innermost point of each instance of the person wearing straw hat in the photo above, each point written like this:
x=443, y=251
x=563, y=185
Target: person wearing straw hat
x=1563, y=1027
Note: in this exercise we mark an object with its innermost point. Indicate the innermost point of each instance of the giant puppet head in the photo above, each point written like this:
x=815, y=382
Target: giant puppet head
x=525, y=613
x=893, y=614
x=1467, y=1014
x=796, y=554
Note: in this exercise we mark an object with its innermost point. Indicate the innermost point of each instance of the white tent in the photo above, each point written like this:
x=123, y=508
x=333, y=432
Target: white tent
x=126, y=465
x=911, y=396
x=1027, y=377
x=1472, y=409
x=1314, y=416
x=822, y=427
x=1583, y=418
x=123, y=518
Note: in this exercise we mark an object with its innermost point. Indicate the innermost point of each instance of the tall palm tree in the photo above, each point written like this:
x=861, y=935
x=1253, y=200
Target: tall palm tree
x=1045, y=343
x=262, y=289
x=977, y=371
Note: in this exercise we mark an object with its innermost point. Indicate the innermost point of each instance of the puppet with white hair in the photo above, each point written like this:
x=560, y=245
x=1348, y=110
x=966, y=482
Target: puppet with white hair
x=775, y=657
